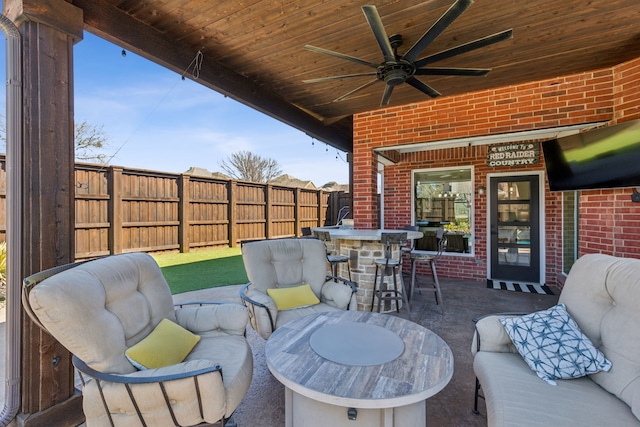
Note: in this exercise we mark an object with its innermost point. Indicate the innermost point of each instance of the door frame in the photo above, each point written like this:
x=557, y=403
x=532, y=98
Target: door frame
x=542, y=217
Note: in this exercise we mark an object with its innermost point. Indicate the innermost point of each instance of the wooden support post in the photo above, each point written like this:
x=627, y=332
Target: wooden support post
x=49, y=29
x=184, y=182
x=115, y=210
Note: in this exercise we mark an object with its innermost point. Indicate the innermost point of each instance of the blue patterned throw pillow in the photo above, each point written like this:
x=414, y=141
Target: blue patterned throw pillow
x=553, y=345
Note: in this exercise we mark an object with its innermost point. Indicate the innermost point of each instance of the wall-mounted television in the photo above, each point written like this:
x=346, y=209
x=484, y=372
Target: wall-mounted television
x=607, y=157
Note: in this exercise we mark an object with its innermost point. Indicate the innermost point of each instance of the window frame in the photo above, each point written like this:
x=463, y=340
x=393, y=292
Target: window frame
x=472, y=203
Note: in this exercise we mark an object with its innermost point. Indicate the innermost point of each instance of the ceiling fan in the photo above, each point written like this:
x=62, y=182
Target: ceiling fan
x=397, y=69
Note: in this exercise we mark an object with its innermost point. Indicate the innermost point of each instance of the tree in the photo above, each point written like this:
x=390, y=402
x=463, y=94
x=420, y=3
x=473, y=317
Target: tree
x=89, y=141
x=247, y=166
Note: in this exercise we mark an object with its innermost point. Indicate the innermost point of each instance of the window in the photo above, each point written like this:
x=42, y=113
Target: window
x=569, y=229
x=443, y=200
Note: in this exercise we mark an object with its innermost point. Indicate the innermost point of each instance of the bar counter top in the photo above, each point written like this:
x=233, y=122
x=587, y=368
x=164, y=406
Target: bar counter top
x=370, y=235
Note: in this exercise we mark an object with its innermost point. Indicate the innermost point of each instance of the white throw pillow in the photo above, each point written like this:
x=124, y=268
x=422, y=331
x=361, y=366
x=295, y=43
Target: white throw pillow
x=553, y=345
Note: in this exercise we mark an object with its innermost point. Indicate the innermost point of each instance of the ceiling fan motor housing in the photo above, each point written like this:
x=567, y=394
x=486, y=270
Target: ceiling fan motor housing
x=395, y=73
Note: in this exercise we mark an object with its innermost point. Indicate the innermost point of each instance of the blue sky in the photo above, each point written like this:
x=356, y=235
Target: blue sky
x=155, y=120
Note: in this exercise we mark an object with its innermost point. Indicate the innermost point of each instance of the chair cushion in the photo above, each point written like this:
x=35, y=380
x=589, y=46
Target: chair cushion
x=602, y=294
x=553, y=345
x=151, y=400
x=117, y=301
x=293, y=297
x=282, y=263
x=233, y=353
x=166, y=345
x=515, y=396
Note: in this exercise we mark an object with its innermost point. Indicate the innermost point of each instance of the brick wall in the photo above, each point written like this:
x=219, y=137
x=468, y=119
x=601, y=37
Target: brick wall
x=609, y=221
x=604, y=95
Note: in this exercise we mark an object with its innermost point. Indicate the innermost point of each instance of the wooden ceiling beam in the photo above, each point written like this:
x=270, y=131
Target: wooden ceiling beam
x=104, y=20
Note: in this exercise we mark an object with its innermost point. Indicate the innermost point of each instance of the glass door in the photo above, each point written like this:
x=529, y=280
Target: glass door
x=514, y=225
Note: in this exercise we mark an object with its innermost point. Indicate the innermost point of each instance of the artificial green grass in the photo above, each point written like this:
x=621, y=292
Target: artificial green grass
x=202, y=269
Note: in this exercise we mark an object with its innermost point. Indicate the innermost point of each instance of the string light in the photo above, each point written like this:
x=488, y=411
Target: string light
x=124, y=53
x=195, y=65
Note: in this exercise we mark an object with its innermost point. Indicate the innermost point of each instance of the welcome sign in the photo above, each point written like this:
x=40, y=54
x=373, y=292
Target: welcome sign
x=517, y=154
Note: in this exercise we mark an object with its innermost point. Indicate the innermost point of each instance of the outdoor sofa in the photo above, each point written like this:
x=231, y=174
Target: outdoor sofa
x=602, y=295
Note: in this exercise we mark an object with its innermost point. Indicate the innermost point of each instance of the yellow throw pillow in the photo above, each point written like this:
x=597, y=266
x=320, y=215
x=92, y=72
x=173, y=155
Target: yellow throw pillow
x=297, y=296
x=168, y=344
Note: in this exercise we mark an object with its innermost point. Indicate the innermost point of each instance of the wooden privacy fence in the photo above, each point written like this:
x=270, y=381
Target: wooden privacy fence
x=126, y=210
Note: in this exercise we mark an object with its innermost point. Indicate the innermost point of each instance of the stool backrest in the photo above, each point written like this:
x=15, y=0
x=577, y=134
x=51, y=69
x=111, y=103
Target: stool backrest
x=442, y=244
x=389, y=239
x=412, y=228
x=322, y=235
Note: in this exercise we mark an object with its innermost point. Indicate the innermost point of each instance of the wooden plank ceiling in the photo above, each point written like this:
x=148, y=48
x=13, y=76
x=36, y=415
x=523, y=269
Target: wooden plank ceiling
x=253, y=50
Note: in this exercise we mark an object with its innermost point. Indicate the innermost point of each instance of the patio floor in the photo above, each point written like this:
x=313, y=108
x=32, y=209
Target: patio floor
x=264, y=403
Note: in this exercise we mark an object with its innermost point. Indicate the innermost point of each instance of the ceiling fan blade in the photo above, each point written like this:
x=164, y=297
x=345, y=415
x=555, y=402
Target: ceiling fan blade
x=340, y=55
x=423, y=87
x=476, y=72
x=464, y=48
x=348, y=94
x=346, y=76
x=386, y=96
x=371, y=13
x=436, y=29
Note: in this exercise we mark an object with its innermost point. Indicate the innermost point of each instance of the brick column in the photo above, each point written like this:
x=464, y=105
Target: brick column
x=365, y=170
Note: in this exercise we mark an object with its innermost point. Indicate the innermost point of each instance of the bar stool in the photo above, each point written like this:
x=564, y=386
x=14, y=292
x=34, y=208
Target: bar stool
x=389, y=266
x=418, y=256
x=412, y=243
x=334, y=260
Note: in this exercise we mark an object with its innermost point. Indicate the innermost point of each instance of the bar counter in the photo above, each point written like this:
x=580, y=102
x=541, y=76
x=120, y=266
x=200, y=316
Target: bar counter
x=362, y=247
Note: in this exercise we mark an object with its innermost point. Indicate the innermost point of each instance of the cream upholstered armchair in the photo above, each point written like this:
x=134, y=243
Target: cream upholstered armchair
x=116, y=313
x=288, y=279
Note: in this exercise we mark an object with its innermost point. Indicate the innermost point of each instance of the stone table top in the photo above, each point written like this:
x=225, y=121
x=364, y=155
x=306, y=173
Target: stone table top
x=373, y=235
x=423, y=369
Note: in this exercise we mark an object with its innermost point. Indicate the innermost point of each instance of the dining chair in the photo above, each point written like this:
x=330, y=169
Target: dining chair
x=389, y=266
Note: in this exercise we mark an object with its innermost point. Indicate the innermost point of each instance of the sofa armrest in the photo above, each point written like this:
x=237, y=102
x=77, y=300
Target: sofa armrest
x=200, y=318
x=338, y=294
x=262, y=310
x=490, y=335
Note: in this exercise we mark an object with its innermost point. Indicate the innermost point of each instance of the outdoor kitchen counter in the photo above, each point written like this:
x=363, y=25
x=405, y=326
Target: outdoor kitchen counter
x=362, y=247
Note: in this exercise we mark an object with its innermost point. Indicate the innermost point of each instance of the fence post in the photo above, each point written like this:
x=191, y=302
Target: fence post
x=232, y=214
x=296, y=212
x=267, y=210
x=115, y=209
x=319, y=198
x=184, y=182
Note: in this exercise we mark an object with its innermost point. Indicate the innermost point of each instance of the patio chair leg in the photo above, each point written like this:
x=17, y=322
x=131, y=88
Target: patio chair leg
x=476, y=397
x=229, y=422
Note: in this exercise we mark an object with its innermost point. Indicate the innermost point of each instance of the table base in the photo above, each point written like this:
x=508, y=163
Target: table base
x=301, y=411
